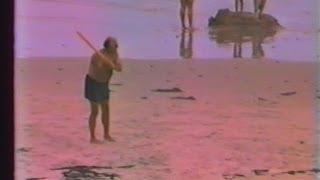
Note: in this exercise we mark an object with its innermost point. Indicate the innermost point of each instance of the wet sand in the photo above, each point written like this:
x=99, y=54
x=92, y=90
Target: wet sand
x=46, y=28
x=243, y=116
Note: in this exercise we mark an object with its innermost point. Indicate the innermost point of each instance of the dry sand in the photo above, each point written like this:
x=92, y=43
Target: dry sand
x=237, y=122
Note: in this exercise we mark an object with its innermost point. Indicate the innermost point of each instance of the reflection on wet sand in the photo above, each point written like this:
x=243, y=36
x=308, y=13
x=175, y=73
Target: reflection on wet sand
x=257, y=49
x=237, y=49
x=185, y=47
x=239, y=36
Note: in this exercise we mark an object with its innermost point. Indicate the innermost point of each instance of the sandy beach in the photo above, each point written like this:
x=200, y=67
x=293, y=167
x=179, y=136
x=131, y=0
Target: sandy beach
x=182, y=109
x=230, y=118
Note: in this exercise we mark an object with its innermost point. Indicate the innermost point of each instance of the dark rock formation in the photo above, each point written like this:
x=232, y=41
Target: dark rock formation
x=228, y=26
x=225, y=17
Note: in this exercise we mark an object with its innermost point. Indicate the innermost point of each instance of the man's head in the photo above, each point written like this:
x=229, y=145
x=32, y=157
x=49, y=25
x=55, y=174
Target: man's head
x=110, y=44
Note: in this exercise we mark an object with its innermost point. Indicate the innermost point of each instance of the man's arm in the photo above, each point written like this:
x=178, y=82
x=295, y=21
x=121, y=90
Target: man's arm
x=109, y=63
x=106, y=61
x=117, y=65
x=101, y=60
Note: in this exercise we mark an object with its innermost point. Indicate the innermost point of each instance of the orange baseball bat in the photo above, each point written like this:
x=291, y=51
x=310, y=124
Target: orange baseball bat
x=91, y=46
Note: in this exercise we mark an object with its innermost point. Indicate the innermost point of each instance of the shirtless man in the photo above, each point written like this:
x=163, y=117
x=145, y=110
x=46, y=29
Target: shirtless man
x=186, y=7
x=97, y=85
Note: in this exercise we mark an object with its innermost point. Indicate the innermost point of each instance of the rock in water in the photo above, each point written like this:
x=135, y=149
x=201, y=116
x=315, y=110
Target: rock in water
x=225, y=17
x=233, y=26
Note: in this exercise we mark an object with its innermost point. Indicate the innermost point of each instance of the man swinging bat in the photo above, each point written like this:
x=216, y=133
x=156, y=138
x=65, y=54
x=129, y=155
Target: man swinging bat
x=102, y=64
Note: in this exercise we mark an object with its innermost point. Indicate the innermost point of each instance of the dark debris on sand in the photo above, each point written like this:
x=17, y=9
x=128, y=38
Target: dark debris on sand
x=232, y=176
x=191, y=98
x=172, y=90
x=144, y=97
x=313, y=171
x=87, y=172
x=126, y=166
x=23, y=149
x=262, y=99
x=288, y=93
x=264, y=172
x=260, y=171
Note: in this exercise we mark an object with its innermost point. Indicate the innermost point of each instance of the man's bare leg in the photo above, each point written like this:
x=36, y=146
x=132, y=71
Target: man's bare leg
x=106, y=120
x=261, y=7
x=190, y=14
x=255, y=5
x=182, y=13
x=237, y=3
x=92, y=121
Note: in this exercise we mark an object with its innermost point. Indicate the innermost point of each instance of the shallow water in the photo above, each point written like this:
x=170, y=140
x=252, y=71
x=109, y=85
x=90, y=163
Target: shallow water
x=150, y=29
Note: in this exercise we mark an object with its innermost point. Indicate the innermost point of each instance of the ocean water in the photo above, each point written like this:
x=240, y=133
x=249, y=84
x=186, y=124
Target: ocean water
x=150, y=29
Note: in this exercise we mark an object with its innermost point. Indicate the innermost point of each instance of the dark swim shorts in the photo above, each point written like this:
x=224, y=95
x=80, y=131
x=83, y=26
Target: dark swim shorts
x=96, y=91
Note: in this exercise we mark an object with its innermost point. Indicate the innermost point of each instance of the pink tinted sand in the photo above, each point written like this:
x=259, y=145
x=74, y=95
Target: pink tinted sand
x=239, y=121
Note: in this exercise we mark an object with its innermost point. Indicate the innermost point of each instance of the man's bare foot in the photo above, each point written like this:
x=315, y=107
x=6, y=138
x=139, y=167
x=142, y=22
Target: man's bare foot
x=95, y=141
x=109, y=138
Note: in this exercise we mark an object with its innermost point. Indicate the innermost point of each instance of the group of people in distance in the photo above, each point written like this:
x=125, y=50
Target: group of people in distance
x=186, y=8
